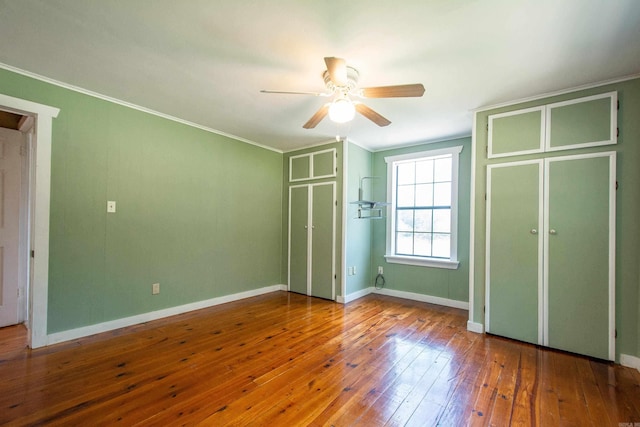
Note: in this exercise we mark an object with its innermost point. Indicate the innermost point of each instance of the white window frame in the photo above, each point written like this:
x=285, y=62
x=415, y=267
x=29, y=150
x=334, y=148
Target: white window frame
x=451, y=263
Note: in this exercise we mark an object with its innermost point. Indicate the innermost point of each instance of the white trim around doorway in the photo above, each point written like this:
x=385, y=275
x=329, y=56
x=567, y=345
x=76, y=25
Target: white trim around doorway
x=39, y=194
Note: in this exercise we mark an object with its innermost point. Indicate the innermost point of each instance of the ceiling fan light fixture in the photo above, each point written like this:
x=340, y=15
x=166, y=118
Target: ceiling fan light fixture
x=342, y=110
x=341, y=82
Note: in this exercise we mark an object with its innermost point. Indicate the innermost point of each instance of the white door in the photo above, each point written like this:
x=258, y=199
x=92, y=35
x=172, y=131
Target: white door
x=10, y=171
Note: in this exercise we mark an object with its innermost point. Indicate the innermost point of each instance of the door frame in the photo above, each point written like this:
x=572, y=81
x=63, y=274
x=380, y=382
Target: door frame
x=39, y=199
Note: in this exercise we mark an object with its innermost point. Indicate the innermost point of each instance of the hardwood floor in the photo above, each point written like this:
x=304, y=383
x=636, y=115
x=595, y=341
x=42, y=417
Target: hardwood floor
x=285, y=359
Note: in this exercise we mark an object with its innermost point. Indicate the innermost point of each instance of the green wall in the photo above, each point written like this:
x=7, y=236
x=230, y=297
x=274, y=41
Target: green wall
x=358, y=231
x=285, y=207
x=439, y=282
x=627, y=206
x=197, y=212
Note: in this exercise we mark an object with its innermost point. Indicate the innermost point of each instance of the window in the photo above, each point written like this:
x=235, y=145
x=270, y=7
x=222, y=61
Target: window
x=423, y=221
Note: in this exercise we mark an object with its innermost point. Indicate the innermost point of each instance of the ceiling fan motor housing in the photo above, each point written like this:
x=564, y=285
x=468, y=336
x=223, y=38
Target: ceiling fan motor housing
x=352, y=81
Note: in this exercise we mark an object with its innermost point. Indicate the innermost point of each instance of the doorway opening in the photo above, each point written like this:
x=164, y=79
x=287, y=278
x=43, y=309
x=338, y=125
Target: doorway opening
x=33, y=206
x=16, y=134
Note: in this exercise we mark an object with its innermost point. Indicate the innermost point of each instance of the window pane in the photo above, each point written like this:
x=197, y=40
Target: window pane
x=424, y=171
x=442, y=169
x=404, y=221
x=423, y=220
x=422, y=244
x=405, y=196
x=404, y=243
x=442, y=220
x=442, y=194
x=406, y=173
x=424, y=195
x=442, y=245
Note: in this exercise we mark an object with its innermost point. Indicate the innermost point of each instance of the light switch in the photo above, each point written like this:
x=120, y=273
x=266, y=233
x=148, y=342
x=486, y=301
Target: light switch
x=111, y=206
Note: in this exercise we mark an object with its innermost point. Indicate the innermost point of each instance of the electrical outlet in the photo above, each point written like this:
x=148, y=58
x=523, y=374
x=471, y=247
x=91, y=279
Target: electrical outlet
x=155, y=289
x=380, y=270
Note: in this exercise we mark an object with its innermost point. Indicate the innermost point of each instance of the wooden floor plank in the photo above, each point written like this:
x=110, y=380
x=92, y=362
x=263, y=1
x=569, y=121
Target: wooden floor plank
x=621, y=406
x=429, y=398
x=492, y=369
x=526, y=388
x=571, y=404
x=419, y=390
x=369, y=392
x=347, y=410
x=506, y=387
x=595, y=406
x=331, y=375
x=394, y=392
x=380, y=354
x=462, y=384
x=549, y=410
x=287, y=359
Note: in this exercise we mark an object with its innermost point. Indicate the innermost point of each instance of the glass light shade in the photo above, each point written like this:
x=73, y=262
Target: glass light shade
x=342, y=110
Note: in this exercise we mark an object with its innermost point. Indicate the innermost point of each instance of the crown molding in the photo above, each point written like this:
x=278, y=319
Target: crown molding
x=556, y=93
x=131, y=105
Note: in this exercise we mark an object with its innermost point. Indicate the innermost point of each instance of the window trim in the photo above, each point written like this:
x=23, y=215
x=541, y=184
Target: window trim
x=448, y=263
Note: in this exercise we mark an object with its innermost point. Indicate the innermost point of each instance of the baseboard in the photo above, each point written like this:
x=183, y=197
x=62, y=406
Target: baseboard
x=423, y=298
x=358, y=294
x=155, y=315
x=630, y=361
x=478, y=328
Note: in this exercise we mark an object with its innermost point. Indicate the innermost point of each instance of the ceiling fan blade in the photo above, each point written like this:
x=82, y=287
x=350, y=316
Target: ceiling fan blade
x=296, y=93
x=411, y=90
x=371, y=115
x=317, y=117
x=337, y=68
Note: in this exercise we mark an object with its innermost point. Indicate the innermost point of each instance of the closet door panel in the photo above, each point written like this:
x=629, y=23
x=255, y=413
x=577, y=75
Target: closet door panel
x=578, y=233
x=298, y=238
x=516, y=132
x=324, y=164
x=583, y=122
x=513, y=251
x=300, y=167
x=323, y=244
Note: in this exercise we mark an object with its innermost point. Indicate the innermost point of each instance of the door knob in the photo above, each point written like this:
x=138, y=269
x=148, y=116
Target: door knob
x=552, y=231
x=534, y=231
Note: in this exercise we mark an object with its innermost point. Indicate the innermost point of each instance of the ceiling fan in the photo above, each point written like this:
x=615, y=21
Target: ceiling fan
x=341, y=81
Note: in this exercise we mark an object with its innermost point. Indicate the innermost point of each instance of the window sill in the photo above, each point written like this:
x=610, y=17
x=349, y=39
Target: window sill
x=423, y=262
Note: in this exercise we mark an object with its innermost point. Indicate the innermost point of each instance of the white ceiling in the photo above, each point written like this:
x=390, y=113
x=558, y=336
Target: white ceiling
x=205, y=61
